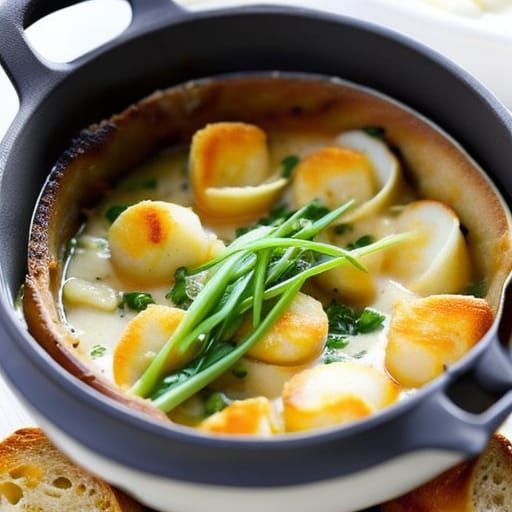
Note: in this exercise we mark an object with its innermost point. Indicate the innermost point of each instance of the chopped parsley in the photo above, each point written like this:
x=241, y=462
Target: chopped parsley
x=239, y=372
x=362, y=241
x=369, y=320
x=97, y=351
x=185, y=288
x=344, y=321
x=138, y=301
x=360, y=354
x=288, y=165
x=375, y=131
x=336, y=341
x=331, y=356
x=477, y=289
x=114, y=211
x=137, y=183
x=342, y=229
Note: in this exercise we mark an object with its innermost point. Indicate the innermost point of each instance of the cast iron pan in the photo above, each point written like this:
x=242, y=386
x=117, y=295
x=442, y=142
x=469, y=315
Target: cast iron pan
x=166, y=45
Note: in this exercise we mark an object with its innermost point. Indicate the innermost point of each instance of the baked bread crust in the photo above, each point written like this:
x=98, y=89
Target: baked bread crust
x=480, y=485
x=35, y=476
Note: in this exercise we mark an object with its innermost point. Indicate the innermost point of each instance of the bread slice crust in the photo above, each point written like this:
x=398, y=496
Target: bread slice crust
x=36, y=477
x=483, y=484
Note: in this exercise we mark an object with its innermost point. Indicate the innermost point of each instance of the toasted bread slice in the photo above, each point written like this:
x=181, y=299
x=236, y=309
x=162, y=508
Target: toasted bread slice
x=36, y=477
x=480, y=485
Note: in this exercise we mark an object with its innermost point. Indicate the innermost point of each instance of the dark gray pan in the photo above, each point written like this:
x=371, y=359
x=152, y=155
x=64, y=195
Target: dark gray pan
x=163, y=46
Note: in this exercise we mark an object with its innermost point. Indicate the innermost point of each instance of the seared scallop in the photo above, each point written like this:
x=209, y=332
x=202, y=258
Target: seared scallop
x=254, y=416
x=141, y=341
x=151, y=239
x=426, y=335
x=333, y=175
x=358, y=167
x=386, y=171
x=230, y=172
x=296, y=337
x=436, y=258
x=335, y=394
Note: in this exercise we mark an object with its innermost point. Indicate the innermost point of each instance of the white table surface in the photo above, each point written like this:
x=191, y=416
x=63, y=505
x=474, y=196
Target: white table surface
x=67, y=36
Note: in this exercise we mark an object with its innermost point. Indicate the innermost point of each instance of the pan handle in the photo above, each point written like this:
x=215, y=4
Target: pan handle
x=31, y=74
x=439, y=423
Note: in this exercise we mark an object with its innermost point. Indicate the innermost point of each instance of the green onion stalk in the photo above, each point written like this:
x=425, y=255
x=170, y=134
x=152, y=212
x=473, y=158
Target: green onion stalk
x=253, y=273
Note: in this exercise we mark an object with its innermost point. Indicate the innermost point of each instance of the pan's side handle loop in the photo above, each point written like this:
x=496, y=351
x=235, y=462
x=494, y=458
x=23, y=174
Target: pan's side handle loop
x=438, y=422
x=146, y=11
x=30, y=72
x=24, y=68
x=494, y=369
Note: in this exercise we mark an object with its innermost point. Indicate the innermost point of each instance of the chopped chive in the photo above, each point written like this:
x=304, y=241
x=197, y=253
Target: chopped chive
x=236, y=282
x=342, y=229
x=114, y=211
x=137, y=183
x=375, y=131
x=239, y=373
x=288, y=165
x=478, y=289
x=97, y=351
x=216, y=402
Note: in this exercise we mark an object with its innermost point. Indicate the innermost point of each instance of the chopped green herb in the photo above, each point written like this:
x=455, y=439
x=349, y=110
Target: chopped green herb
x=138, y=183
x=369, y=320
x=185, y=288
x=181, y=376
x=97, y=351
x=342, y=229
x=138, y=301
x=477, y=289
x=239, y=372
x=375, y=131
x=114, y=211
x=344, y=321
x=362, y=241
x=336, y=341
x=215, y=403
x=333, y=357
x=360, y=355
x=178, y=293
x=288, y=164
